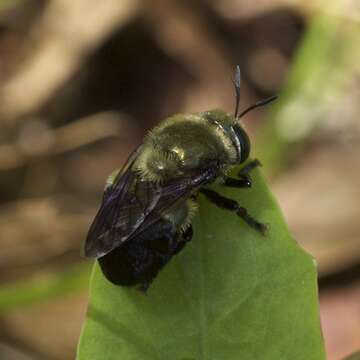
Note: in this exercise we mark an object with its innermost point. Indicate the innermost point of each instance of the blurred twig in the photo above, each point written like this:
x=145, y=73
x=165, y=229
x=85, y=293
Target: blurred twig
x=36, y=138
x=49, y=228
x=68, y=32
x=196, y=46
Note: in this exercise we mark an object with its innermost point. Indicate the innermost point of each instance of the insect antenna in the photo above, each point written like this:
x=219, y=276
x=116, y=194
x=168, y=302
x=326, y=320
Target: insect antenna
x=236, y=81
x=258, y=104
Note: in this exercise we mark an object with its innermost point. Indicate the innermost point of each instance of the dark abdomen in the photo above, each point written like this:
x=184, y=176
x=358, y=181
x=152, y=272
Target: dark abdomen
x=139, y=259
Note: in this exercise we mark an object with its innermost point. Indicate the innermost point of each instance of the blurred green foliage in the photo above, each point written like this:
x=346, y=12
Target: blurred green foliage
x=5, y=4
x=319, y=78
x=37, y=290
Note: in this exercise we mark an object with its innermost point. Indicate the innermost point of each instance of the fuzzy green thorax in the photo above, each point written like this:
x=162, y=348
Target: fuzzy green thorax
x=187, y=141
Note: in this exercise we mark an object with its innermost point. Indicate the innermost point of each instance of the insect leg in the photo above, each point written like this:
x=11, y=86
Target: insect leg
x=232, y=205
x=248, y=167
x=188, y=234
x=244, y=182
x=186, y=237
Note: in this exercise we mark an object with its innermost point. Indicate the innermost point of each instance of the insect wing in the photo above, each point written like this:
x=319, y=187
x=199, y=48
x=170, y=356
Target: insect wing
x=99, y=240
x=171, y=193
x=131, y=205
x=128, y=208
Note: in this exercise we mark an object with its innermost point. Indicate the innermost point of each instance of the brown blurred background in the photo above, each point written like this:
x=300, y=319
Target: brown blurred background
x=82, y=81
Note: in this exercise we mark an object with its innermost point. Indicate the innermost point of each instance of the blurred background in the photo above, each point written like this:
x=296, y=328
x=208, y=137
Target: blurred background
x=82, y=81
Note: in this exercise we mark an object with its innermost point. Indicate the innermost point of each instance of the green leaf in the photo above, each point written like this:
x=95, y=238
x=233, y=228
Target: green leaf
x=230, y=294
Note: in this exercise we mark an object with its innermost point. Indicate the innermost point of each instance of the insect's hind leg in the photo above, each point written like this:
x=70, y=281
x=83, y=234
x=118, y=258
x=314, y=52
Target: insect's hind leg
x=232, y=205
x=184, y=238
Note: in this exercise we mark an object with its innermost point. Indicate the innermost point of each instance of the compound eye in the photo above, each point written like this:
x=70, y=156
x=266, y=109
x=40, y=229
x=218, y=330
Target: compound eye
x=244, y=143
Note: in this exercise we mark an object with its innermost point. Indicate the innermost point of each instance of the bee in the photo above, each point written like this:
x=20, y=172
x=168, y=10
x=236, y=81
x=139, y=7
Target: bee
x=148, y=206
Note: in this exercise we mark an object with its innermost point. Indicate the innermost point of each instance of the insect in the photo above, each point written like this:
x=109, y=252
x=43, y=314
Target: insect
x=147, y=207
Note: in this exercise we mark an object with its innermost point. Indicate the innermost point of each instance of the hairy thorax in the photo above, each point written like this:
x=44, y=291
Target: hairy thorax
x=181, y=144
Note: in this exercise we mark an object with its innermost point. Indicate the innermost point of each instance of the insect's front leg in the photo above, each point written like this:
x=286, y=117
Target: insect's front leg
x=232, y=205
x=245, y=180
x=248, y=167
